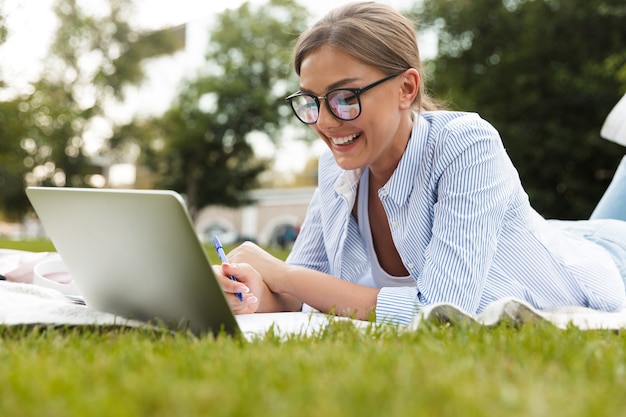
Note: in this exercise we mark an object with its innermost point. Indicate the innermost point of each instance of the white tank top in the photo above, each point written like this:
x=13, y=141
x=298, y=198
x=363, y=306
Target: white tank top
x=380, y=277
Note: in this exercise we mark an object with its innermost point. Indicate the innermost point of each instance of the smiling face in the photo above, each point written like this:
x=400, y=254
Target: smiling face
x=378, y=137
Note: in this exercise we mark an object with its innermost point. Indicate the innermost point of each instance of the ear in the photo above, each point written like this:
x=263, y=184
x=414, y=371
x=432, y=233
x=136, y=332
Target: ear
x=409, y=88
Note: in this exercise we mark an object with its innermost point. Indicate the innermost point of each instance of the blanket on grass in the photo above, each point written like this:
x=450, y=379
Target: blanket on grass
x=27, y=304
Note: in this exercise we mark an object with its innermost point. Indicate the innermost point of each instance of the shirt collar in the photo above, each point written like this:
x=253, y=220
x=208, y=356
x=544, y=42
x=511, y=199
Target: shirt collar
x=346, y=183
x=402, y=181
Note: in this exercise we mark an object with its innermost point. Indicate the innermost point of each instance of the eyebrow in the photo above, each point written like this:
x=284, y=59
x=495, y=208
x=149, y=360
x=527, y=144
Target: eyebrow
x=333, y=86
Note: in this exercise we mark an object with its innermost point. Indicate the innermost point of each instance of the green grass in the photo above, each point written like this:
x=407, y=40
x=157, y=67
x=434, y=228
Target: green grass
x=39, y=245
x=437, y=370
x=434, y=371
x=44, y=245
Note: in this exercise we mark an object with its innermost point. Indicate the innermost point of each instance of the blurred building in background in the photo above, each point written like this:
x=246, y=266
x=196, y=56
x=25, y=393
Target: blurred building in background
x=273, y=220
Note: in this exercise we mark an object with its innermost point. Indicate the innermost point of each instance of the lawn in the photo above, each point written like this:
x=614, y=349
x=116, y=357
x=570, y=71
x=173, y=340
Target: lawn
x=44, y=245
x=438, y=370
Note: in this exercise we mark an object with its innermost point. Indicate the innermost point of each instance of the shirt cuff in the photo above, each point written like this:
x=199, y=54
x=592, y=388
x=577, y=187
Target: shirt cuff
x=396, y=305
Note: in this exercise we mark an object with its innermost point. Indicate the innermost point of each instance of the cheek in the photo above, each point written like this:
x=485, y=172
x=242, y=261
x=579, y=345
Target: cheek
x=318, y=132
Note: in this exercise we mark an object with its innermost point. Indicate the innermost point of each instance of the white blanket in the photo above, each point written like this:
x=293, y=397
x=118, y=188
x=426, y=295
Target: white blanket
x=26, y=304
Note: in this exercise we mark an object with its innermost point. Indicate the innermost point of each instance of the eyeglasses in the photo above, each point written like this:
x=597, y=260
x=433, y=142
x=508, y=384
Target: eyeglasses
x=343, y=103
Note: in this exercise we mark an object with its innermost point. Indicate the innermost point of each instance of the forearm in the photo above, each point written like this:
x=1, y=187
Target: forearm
x=324, y=292
x=287, y=286
x=272, y=302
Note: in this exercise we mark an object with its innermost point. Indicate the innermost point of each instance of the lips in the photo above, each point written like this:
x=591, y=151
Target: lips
x=344, y=140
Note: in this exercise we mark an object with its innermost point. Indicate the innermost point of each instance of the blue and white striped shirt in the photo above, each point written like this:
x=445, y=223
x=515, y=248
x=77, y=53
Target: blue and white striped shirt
x=462, y=225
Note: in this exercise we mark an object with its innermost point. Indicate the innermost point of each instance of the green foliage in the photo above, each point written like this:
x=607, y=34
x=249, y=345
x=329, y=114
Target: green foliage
x=205, y=152
x=200, y=147
x=535, y=370
x=3, y=28
x=44, y=132
x=116, y=48
x=546, y=73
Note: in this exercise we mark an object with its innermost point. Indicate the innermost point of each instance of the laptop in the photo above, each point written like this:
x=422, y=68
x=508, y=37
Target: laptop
x=135, y=254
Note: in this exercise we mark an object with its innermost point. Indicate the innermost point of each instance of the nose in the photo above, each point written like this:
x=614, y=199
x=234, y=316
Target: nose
x=325, y=118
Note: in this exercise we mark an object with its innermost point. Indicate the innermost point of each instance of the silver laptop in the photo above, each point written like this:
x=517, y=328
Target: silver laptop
x=135, y=253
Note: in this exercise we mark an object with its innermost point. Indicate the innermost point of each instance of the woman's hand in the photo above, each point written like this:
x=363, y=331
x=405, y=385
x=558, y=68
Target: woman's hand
x=272, y=272
x=249, y=284
x=270, y=268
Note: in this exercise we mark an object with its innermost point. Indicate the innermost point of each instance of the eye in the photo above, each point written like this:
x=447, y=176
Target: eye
x=343, y=98
x=345, y=104
x=306, y=108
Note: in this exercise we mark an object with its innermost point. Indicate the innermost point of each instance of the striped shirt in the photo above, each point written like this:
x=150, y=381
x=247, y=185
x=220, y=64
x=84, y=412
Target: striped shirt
x=462, y=225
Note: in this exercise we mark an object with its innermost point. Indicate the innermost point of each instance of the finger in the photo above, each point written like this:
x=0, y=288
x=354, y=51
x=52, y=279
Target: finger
x=242, y=272
x=233, y=287
x=248, y=305
x=227, y=284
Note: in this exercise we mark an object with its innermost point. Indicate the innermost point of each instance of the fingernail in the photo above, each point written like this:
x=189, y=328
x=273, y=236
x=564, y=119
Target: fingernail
x=243, y=289
x=251, y=300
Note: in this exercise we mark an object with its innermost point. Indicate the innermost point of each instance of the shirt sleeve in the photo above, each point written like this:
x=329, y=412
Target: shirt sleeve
x=396, y=305
x=308, y=249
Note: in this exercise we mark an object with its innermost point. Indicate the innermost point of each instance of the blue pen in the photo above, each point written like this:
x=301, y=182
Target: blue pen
x=220, y=253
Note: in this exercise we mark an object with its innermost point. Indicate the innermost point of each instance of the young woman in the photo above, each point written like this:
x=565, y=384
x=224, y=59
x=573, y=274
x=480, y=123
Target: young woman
x=414, y=205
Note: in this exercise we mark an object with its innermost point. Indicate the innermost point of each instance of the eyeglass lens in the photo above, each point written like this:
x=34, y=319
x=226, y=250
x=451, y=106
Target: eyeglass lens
x=344, y=104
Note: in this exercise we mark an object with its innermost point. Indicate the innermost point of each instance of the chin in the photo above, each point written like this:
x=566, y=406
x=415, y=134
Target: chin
x=348, y=164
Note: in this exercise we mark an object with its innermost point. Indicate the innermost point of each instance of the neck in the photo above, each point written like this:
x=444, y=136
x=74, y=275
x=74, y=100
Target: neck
x=379, y=175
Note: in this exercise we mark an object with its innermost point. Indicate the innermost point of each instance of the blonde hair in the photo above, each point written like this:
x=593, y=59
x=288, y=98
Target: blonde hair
x=372, y=33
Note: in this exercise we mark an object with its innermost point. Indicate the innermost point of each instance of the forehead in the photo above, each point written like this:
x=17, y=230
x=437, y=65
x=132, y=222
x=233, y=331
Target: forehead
x=326, y=66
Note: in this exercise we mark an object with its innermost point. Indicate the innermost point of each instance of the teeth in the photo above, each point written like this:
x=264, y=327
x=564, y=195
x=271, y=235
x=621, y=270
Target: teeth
x=344, y=140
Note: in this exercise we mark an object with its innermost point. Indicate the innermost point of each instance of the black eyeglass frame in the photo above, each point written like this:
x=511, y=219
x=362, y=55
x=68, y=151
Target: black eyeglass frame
x=356, y=91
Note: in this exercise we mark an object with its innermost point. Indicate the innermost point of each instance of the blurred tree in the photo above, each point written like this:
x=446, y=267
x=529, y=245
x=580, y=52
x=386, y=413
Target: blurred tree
x=6, y=109
x=3, y=28
x=546, y=73
x=11, y=185
x=51, y=135
x=204, y=148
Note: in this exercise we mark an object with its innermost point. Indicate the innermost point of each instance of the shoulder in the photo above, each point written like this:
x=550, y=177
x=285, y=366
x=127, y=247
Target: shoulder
x=451, y=133
x=446, y=123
